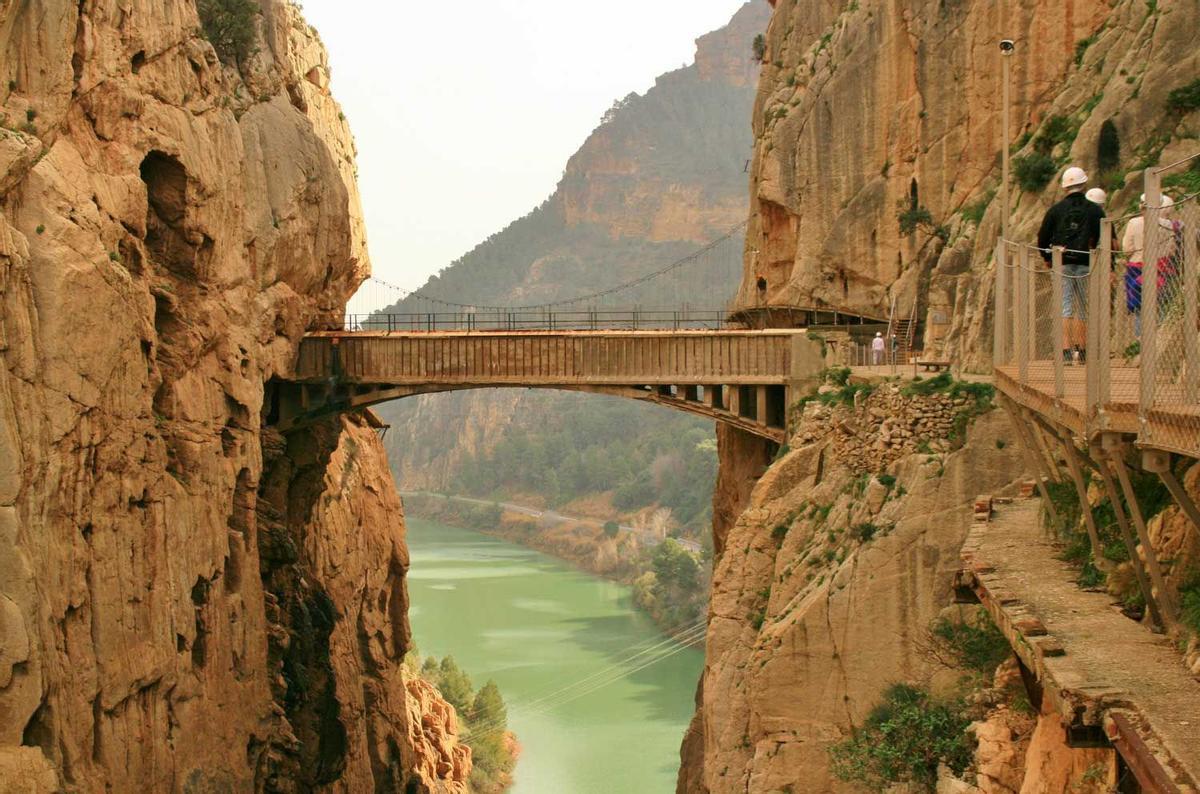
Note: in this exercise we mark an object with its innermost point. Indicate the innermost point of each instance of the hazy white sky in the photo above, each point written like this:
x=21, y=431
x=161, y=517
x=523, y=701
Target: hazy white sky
x=466, y=112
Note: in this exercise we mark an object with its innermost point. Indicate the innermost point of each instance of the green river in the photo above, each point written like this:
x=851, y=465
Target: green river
x=537, y=626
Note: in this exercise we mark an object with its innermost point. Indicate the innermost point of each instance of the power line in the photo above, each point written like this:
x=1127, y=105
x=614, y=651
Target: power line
x=670, y=268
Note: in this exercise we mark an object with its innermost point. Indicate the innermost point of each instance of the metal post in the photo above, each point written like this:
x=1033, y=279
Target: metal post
x=1000, y=325
x=1032, y=458
x=1130, y=544
x=1191, y=316
x=1006, y=103
x=1072, y=456
x=1100, y=356
x=1149, y=345
x=1056, y=332
x=1148, y=553
x=1021, y=316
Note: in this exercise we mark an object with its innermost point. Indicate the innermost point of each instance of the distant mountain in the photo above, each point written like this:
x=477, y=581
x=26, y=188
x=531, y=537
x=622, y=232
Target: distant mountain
x=662, y=175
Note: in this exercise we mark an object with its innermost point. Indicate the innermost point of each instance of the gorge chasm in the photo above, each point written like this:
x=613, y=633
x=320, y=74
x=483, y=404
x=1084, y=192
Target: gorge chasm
x=192, y=600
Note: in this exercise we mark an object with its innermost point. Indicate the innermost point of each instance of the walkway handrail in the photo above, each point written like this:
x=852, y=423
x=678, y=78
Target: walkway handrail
x=1078, y=339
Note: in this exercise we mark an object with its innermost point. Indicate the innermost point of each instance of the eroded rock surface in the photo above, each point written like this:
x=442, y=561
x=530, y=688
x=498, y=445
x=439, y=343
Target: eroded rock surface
x=169, y=227
x=869, y=110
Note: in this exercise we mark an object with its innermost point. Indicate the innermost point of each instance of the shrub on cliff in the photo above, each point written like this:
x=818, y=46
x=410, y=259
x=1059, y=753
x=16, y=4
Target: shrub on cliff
x=1184, y=99
x=903, y=740
x=1033, y=171
x=229, y=27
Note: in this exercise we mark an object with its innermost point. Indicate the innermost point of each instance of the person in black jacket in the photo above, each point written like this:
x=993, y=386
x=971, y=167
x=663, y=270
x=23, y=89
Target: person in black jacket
x=1074, y=224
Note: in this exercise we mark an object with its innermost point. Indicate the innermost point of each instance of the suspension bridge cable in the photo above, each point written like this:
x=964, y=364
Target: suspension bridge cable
x=673, y=266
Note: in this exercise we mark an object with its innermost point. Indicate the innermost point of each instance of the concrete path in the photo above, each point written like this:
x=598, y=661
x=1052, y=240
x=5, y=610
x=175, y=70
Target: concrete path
x=1086, y=649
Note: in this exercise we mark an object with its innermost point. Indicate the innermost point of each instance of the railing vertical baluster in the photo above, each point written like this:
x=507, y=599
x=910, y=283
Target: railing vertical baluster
x=999, y=324
x=1057, y=322
x=1149, y=308
x=1023, y=316
x=1191, y=315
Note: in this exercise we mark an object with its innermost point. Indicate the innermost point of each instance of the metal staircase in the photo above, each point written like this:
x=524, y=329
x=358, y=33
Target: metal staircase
x=904, y=329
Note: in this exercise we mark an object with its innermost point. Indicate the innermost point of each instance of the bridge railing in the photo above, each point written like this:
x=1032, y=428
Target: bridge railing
x=523, y=320
x=1085, y=342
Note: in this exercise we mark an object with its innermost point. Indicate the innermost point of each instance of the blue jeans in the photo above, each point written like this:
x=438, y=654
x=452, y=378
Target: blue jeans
x=1074, y=295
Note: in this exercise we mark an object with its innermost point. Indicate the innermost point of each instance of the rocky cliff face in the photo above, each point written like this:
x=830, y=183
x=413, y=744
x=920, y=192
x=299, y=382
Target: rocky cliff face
x=869, y=110
x=187, y=602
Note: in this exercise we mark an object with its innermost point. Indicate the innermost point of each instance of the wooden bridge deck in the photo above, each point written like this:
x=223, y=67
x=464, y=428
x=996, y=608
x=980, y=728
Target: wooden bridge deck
x=1170, y=425
x=743, y=377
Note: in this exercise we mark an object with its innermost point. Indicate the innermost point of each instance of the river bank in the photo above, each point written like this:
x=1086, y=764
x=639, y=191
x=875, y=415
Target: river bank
x=596, y=697
x=669, y=577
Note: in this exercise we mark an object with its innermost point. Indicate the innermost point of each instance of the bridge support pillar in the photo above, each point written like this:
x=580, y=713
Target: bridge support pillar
x=760, y=405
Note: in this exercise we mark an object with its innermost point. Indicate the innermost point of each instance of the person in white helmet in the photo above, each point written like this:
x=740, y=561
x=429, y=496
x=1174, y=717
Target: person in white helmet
x=877, y=346
x=1097, y=196
x=1074, y=224
x=1133, y=242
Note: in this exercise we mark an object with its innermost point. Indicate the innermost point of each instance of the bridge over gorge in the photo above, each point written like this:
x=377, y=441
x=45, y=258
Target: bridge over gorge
x=744, y=378
x=722, y=363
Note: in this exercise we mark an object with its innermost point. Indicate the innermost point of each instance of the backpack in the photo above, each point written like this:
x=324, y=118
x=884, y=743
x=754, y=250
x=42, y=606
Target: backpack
x=1071, y=231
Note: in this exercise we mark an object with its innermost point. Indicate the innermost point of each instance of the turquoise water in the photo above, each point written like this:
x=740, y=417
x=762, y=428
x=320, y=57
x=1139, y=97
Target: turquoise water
x=537, y=626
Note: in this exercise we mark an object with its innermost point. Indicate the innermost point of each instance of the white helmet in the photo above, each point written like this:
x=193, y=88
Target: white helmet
x=878, y=333
x=1167, y=201
x=1097, y=196
x=1073, y=177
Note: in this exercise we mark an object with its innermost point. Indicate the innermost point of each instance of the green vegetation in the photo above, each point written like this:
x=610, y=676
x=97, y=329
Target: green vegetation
x=1187, y=182
x=912, y=217
x=974, y=212
x=759, y=47
x=1152, y=497
x=1081, y=48
x=674, y=590
x=904, y=739
x=1184, y=99
x=611, y=529
x=229, y=27
x=645, y=457
x=974, y=645
x=1056, y=131
x=1189, y=603
x=484, y=718
x=1033, y=171
x=40, y=228
x=863, y=532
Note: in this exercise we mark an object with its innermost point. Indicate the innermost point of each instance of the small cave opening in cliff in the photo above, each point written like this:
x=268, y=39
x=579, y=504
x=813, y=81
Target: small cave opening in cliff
x=199, y=602
x=167, y=241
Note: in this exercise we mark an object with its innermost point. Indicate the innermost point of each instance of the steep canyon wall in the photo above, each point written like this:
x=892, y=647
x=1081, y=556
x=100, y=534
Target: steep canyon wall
x=187, y=602
x=869, y=110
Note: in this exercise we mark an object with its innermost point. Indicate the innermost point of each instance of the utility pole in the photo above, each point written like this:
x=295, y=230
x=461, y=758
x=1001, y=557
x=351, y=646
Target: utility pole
x=1006, y=50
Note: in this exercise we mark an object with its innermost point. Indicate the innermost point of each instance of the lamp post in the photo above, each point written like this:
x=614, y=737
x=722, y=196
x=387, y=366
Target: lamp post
x=1006, y=50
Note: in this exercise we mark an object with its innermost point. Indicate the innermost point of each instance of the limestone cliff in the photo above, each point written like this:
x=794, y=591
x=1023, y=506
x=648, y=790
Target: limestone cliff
x=867, y=110
x=187, y=602
x=823, y=580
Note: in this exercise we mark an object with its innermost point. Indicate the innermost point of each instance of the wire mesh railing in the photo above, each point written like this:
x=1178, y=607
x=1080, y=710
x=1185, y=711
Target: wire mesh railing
x=1111, y=336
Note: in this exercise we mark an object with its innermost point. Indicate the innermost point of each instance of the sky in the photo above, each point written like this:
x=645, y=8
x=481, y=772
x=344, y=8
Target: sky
x=465, y=113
